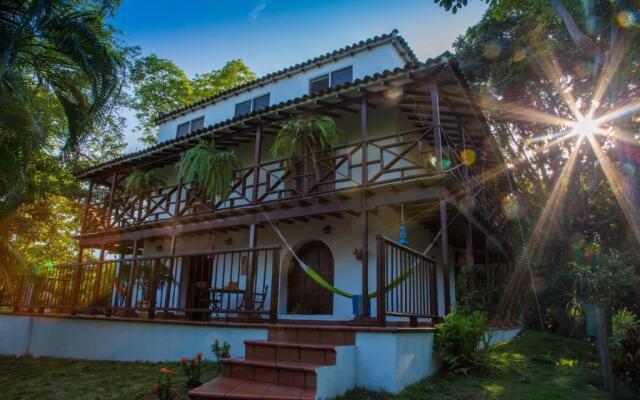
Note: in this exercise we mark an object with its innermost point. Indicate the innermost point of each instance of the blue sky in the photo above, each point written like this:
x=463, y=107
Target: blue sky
x=201, y=35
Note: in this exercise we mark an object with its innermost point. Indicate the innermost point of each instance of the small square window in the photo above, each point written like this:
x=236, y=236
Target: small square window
x=196, y=124
x=243, y=108
x=183, y=129
x=261, y=102
x=318, y=84
x=342, y=76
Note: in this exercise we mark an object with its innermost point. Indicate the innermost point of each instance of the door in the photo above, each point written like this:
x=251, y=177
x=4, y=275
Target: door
x=304, y=295
x=200, y=270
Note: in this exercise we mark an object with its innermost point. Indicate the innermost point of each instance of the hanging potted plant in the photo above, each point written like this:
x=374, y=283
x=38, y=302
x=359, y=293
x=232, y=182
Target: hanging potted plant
x=303, y=138
x=140, y=181
x=210, y=170
x=299, y=141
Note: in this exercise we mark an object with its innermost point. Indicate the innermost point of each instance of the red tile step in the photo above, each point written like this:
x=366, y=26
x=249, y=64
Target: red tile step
x=313, y=334
x=268, y=371
x=232, y=388
x=320, y=354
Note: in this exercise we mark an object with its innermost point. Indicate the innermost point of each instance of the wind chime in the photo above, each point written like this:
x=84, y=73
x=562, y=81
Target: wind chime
x=403, y=228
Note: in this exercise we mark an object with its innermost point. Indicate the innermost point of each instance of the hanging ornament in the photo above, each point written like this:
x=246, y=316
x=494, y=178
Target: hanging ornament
x=403, y=228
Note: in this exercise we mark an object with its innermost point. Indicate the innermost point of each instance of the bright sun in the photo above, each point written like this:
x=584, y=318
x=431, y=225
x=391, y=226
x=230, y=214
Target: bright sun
x=586, y=126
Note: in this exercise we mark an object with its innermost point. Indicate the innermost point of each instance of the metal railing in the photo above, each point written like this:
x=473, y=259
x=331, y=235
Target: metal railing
x=406, y=283
x=229, y=284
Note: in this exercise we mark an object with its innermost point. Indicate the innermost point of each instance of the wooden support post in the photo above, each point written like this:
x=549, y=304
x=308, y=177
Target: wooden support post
x=470, y=262
x=275, y=286
x=381, y=269
x=444, y=237
x=17, y=296
x=444, y=245
x=602, y=338
x=99, y=267
x=172, y=263
x=256, y=164
x=108, y=222
x=77, y=280
x=87, y=204
x=437, y=132
x=488, y=271
x=127, y=304
x=252, y=268
x=365, y=215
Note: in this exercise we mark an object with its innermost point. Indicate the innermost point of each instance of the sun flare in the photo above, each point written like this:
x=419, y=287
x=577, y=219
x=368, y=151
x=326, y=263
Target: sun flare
x=585, y=126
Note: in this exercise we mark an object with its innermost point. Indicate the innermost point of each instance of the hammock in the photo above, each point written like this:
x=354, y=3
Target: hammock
x=322, y=282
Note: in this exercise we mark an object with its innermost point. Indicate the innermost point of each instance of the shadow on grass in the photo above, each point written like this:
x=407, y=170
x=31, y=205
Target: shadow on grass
x=534, y=366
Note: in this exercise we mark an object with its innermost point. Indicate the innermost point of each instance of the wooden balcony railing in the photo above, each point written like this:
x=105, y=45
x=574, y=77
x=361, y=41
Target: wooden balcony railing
x=407, y=280
x=392, y=158
x=218, y=285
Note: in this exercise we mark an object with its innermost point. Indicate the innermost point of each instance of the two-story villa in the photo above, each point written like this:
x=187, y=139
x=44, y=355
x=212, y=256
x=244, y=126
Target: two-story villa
x=324, y=277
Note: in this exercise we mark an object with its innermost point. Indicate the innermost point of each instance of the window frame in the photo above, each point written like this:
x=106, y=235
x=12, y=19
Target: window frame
x=252, y=104
x=329, y=76
x=189, y=125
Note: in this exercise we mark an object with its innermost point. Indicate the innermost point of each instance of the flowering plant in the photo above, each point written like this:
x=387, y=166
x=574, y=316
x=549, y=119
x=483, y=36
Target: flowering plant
x=192, y=369
x=220, y=351
x=164, y=389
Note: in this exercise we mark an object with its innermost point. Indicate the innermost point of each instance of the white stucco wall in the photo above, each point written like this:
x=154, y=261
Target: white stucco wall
x=393, y=361
x=388, y=361
x=15, y=334
x=367, y=62
x=92, y=339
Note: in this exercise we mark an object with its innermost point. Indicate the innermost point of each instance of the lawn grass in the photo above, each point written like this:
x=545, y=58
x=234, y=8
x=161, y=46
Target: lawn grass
x=534, y=366
x=50, y=378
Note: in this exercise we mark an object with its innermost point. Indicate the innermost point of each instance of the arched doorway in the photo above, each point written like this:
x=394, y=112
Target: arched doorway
x=304, y=295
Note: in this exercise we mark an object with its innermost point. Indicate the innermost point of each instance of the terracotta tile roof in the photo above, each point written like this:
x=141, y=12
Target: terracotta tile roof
x=444, y=60
x=392, y=37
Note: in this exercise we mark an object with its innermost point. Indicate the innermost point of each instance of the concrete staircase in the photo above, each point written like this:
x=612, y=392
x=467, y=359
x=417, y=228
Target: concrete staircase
x=295, y=362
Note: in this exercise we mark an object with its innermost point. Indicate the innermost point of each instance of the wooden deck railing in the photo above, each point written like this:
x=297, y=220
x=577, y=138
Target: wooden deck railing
x=219, y=285
x=406, y=283
x=392, y=158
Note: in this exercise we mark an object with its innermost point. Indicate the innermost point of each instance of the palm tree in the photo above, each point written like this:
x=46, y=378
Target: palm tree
x=212, y=171
x=303, y=138
x=60, y=49
x=56, y=56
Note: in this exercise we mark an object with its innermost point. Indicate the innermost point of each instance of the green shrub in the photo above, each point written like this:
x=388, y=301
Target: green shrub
x=625, y=347
x=457, y=342
x=623, y=320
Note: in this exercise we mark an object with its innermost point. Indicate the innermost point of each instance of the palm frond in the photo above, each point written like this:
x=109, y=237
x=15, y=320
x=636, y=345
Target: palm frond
x=304, y=138
x=209, y=169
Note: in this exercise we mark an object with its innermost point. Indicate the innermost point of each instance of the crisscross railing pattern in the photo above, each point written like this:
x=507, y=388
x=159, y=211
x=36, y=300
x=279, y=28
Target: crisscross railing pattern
x=391, y=158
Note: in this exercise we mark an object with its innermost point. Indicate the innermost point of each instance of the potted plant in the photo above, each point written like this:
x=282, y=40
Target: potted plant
x=303, y=138
x=140, y=181
x=210, y=170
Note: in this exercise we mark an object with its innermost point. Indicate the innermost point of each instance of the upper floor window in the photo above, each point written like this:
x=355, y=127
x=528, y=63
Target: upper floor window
x=330, y=80
x=255, y=104
x=190, y=126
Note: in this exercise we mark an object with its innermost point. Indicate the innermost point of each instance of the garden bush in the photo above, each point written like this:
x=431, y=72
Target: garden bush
x=458, y=342
x=625, y=348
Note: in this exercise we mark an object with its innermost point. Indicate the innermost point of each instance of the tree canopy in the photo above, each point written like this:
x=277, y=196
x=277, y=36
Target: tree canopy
x=530, y=62
x=160, y=86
